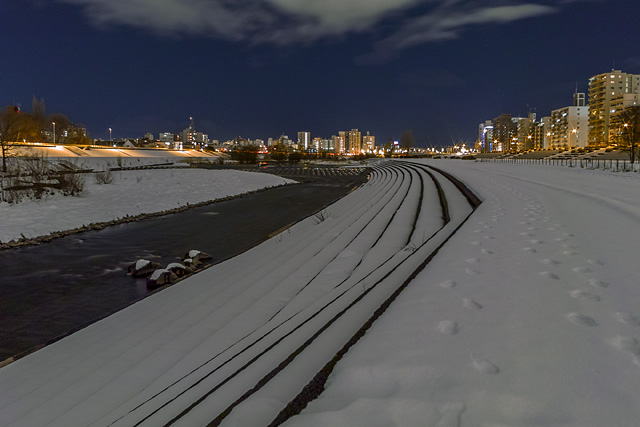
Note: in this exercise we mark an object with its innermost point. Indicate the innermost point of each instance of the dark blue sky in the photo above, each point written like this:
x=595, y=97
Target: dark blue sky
x=259, y=68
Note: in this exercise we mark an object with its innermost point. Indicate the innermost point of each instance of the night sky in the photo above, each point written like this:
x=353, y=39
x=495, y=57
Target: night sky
x=260, y=68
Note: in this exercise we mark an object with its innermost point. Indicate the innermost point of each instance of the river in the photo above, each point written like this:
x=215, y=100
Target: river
x=50, y=290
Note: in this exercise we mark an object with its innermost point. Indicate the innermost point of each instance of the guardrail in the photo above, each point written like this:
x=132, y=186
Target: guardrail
x=606, y=164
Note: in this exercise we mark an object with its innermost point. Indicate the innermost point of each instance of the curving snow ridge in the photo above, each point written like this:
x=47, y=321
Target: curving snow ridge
x=258, y=326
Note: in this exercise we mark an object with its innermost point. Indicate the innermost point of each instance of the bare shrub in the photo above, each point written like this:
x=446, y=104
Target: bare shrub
x=71, y=184
x=105, y=177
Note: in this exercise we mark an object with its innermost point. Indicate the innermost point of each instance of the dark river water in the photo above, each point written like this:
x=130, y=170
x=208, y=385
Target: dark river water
x=50, y=290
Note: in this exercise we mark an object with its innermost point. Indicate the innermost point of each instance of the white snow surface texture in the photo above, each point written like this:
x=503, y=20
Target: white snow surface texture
x=528, y=316
x=131, y=193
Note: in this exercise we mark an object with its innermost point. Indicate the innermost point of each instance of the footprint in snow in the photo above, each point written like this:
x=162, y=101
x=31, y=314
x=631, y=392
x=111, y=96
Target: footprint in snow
x=584, y=296
x=627, y=318
x=581, y=270
x=598, y=283
x=628, y=345
x=526, y=234
x=472, y=260
x=485, y=367
x=471, y=271
x=549, y=275
x=475, y=243
x=570, y=253
x=581, y=319
x=486, y=251
x=447, y=327
x=536, y=241
x=532, y=250
x=595, y=262
x=549, y=261
x=448, y=284
x=489, y=237
x=471, y=304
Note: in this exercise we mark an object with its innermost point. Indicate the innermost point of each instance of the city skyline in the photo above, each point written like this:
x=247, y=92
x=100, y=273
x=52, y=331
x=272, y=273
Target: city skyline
x=279, y=67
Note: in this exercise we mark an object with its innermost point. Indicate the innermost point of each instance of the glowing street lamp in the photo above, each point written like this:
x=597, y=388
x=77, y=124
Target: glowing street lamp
x=110, y=139
x=574, y=131
x=54, y=132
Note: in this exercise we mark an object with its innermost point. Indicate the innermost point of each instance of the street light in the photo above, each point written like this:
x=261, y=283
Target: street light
x=54, y=132
x=110, y=139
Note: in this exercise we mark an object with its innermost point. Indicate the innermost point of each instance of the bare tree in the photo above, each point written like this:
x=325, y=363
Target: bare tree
x=628, y=122
x=9, y=126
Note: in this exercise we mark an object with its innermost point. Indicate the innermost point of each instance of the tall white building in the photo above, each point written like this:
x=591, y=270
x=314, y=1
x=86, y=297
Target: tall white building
x=570, y=125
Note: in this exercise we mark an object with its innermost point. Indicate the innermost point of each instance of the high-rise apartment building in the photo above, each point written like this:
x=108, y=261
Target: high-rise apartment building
x=505, y=131
x=340, y=142
x=570, y=125
x=354, y=142
x=368, y=142
x=304, y=140
x=603, y=89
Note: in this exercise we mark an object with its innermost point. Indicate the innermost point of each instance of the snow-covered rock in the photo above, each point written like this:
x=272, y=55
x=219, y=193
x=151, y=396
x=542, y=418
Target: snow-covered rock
x=161, y=277
x=143, y=267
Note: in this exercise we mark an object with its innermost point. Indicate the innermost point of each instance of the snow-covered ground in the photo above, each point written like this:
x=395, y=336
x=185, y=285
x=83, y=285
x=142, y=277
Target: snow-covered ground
x=130, y=193
x=528, y=316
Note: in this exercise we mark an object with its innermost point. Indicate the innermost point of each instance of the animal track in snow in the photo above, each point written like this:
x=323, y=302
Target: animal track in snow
x=471, y=304
x=526, y=234
x=485, y=367
x=627, y=318
x=448, y=284
x=550, y=261
x=486, y=251
x=581, y=319
x=448, y=327
x=570, y=253
x=549, y=275
x=532, y=250
x=595, y=262
x=584, y=296
x=598, y=283
x=489, y=237
x=475, y=243
x=471, y=271
x=536, y=242
x=472, y=260
x=581, y=270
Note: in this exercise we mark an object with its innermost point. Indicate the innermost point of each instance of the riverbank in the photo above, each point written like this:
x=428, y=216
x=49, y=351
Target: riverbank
x=131, y=196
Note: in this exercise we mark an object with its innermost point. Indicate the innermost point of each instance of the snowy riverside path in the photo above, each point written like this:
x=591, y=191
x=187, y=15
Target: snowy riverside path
x=244, y=337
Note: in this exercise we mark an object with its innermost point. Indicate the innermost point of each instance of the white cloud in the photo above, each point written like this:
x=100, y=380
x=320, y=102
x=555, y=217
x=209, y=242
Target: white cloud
x=286, y=22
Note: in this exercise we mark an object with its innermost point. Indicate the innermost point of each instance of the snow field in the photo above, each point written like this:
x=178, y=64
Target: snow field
x=153, y=359
x=528, y=316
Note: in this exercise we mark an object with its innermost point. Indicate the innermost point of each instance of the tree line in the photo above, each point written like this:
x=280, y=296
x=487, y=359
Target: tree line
x=17, y=127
